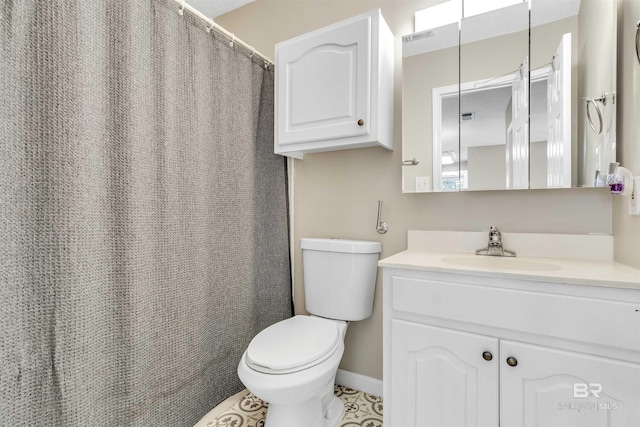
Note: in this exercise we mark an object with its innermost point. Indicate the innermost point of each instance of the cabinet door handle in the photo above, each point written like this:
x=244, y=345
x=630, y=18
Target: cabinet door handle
x=512, y=361
x=360, y=122
x=487, y=355
x=412, y=162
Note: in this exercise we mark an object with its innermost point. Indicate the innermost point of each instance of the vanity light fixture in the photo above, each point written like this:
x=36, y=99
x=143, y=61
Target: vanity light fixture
x=438, y=15
x=472, y=8
x=452, y=11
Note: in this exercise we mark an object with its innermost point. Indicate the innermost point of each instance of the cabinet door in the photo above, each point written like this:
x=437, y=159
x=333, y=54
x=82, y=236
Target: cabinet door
x=440, y=377
x=324, y=84
x=554, y=388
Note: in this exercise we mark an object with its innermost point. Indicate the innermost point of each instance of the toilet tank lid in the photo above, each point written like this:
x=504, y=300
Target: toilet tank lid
x=341, y=245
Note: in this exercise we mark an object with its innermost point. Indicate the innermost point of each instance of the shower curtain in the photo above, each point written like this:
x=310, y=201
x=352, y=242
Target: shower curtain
x=143, y=217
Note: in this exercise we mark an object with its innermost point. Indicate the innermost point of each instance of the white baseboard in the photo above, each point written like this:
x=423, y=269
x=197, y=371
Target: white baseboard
x=359, y=382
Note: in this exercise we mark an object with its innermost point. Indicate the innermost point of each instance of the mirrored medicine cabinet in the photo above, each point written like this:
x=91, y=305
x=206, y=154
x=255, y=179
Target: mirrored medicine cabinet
x=522, y=97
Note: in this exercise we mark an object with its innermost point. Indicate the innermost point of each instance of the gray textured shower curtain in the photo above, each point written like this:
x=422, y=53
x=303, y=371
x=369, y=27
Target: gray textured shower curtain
x=143, y=223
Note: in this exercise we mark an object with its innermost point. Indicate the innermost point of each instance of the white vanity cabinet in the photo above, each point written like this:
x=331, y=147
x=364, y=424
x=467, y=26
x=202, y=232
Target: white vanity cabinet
x=552, y=387
x=334, y=88
x=476, y=350
x=436, y=376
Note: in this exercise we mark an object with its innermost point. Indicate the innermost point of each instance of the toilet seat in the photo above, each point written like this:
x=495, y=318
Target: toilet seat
x=293, y=345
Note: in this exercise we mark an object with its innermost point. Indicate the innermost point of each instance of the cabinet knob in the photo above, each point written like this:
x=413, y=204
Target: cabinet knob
x=487, y=355
x=360, y=122
x=512, y=361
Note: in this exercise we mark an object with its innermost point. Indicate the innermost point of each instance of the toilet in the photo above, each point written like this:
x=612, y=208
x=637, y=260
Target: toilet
x=292, y=364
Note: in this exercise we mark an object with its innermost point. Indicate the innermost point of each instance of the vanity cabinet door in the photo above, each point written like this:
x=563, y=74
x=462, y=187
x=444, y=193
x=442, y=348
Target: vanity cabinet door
x=442, y=377
x=549, y=387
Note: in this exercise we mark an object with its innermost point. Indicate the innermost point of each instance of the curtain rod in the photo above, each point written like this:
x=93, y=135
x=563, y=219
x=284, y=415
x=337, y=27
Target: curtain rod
x=213, y=25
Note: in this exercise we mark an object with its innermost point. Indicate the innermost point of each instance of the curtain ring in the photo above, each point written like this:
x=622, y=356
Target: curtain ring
x=233, y=40
x=590, y=120
x=210, y=27
x=638, y=41
x=181, y=11
x=253, y=52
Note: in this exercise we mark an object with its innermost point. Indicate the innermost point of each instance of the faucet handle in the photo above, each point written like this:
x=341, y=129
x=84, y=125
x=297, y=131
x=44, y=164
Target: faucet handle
x=495, y=236
x=494, y=246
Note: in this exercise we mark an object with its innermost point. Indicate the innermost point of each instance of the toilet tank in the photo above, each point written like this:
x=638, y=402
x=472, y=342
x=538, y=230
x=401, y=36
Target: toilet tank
x=339, y=277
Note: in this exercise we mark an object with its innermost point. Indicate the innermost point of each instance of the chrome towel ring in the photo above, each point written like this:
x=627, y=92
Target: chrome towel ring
x=593, y=101
x=602, y=99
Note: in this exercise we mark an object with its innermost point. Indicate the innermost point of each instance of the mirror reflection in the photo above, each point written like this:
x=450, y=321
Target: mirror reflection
x=520, y=116
x=494, y=107
x=430, y=61
x=577, y=40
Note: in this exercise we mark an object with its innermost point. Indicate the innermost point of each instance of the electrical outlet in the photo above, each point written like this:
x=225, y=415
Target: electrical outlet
x=634, y=200
x=423, y=184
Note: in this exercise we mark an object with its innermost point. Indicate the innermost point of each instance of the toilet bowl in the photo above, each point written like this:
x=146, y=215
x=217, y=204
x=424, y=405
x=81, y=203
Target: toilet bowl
x=292, y=365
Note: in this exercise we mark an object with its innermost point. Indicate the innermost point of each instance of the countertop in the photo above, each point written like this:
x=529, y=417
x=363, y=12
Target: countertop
x=555, y=270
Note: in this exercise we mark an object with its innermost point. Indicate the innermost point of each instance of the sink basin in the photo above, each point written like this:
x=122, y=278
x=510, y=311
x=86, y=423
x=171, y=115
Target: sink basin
x=502, y=263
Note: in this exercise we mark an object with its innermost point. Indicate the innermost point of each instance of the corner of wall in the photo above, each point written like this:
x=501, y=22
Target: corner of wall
x=626, y=229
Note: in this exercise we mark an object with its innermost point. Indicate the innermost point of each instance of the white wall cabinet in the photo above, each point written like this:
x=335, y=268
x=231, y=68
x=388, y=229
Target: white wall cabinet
x=462, y=350
x=334, y=88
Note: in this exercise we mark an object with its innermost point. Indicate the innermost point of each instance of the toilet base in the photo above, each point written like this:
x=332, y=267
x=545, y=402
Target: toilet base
x=324, y=412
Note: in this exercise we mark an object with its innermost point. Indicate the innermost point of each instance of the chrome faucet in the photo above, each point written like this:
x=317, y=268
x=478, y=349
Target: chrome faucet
x=494, y=246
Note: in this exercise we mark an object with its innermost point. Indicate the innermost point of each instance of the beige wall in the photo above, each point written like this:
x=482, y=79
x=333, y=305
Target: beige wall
x=626, y=229
x=335, y=194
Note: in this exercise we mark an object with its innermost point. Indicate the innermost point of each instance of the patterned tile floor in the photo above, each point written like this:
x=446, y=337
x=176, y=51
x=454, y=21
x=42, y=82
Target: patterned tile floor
x=360, y=410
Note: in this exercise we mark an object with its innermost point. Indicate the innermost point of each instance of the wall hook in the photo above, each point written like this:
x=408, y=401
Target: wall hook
x=381, y=226
x=638, y=41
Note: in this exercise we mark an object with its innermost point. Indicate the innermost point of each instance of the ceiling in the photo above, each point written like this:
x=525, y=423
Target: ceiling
x=215, y=8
